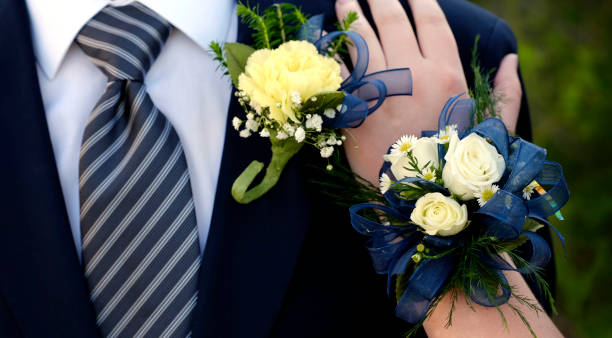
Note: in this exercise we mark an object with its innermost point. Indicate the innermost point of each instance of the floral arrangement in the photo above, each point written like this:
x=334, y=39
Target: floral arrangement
x=288, y=82
x=455, y=208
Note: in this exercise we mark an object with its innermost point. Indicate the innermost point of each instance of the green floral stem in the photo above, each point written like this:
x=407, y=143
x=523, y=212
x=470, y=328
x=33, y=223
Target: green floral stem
x=282, y=152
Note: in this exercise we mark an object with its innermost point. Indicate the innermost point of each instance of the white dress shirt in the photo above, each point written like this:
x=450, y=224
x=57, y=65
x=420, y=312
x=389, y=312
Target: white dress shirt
x=184, y=83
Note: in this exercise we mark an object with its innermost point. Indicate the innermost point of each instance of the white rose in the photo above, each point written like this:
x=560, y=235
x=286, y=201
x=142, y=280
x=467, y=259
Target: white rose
x=424, y=150
x=439, y=215
x=471, y=164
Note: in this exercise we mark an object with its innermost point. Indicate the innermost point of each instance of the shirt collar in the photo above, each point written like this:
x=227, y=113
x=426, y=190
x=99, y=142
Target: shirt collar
x=55, y=24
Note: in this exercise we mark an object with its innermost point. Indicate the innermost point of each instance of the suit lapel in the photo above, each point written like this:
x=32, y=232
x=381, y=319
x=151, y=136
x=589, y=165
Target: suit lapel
x=252, y=249
x=41, y=277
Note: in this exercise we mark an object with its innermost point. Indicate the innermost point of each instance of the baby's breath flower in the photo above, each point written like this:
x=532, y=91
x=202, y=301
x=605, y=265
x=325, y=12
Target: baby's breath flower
x=296, y=98
x=331, y=140
x=289, y=129
x=252, y=125
x=300, y=134
x=281, y=135
x=245, y=133
x=527, y=192
x=330, y=113
x=327, y=152
x=329, y=167
x=485, y=194
x=250, y=116
x=264, y=133
x=315, y=122
x=236, y=123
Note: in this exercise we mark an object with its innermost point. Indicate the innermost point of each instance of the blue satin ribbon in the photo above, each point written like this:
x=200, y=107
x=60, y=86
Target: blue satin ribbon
x=360, y=88
x=502, y=217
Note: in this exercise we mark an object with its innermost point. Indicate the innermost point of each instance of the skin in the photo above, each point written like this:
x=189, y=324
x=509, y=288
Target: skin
x=432, y=54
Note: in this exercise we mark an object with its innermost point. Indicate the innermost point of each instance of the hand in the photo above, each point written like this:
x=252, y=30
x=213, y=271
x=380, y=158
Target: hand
x=433, y=57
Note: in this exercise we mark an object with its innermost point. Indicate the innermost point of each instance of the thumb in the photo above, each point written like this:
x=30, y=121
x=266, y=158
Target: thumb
x=508, y=86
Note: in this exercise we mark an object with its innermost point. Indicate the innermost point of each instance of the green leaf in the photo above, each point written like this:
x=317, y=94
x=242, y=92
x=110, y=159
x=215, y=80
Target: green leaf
x=322, y=101
x=532, y=225
x=236, y=55
x=515, y=243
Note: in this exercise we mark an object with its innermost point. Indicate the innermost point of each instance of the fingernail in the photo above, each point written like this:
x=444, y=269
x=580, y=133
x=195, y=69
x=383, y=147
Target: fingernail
x=513, y=60
x=342, y=2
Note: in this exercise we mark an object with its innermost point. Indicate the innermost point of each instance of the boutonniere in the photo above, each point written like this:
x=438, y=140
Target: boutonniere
x=288, y=81
x=453, y=206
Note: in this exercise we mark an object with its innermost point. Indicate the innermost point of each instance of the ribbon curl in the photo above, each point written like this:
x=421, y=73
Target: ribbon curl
x=502, y=217
x=360, y=89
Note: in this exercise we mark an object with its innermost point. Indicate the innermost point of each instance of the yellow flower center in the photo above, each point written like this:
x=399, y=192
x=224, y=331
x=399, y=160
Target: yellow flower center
x=428, y=176
x=487, y=194
x=405, y=146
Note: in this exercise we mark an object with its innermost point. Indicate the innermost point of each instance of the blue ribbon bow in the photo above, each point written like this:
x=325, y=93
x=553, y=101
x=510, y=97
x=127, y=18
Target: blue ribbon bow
x=359, y=87
x=503, y=216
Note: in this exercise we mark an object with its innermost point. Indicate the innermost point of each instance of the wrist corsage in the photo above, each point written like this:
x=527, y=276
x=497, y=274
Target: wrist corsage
x=453, y=206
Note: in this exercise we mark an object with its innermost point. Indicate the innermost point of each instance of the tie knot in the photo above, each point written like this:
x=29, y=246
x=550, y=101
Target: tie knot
x=124, y=41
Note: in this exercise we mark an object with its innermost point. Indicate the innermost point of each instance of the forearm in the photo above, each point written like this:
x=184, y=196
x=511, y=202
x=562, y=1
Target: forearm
x=486, y=321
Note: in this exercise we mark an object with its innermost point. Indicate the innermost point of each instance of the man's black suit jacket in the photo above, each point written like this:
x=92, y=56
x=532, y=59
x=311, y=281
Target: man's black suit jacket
x=287, y=265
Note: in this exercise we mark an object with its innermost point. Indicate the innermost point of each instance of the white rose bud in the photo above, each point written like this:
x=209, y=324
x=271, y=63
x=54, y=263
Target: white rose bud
x=471, y=163
x=439, y=215
x=425, y=150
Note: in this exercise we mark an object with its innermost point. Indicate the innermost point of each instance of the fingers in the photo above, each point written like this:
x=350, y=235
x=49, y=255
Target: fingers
x=435, y=36
x=508, y=84
x=362, y=27
x=397, y=37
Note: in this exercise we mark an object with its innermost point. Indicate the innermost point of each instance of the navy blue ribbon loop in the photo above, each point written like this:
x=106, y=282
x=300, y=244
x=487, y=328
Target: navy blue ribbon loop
x=360, y=89
x=502, y=217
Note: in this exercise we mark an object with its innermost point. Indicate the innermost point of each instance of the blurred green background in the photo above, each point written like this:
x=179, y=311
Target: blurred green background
x=565, y=54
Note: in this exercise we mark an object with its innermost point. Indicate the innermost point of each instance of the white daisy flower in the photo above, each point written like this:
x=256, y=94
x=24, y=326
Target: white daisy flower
x=281, y=135
x=252, y=125
x=485, y=194
x=385, y=183
x=327, y=152
x=444, y=136
x=245, y=133
x=300, y=135
x=315, y=122
x=527, y=192
x=403, y=145
x=264, y=133
x=330, y=113
x=236, y=123
x=429, y=174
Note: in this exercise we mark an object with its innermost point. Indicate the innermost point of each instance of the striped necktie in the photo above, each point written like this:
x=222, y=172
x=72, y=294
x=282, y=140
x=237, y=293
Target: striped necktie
x=138, y=226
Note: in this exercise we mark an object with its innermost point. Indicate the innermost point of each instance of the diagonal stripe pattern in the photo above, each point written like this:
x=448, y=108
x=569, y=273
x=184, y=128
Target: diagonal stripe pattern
x=138, y=227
